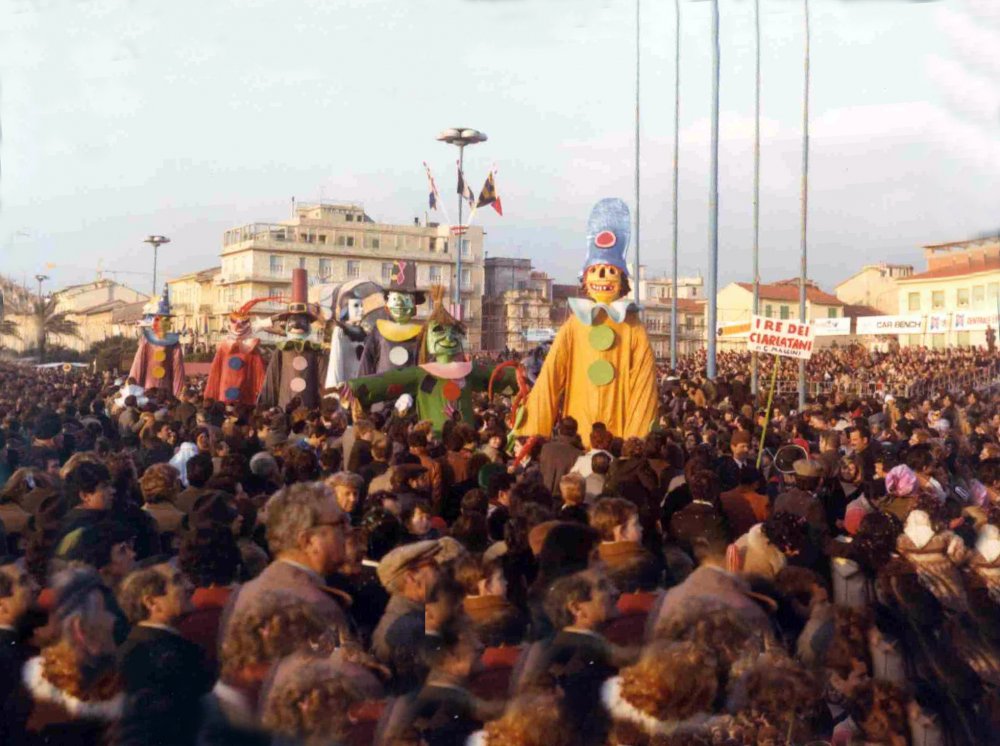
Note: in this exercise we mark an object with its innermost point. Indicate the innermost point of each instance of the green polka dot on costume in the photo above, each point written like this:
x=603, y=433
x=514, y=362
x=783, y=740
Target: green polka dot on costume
x=601, y=373
x=601, y=337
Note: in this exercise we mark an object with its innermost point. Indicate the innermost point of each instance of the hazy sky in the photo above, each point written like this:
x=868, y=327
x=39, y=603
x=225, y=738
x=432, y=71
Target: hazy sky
x=123, y=118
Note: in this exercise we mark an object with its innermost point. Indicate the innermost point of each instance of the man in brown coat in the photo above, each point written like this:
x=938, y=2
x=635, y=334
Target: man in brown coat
x=306, y=534
x=558, y=456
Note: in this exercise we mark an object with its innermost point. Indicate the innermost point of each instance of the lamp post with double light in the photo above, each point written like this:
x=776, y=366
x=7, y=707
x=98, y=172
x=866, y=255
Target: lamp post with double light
x=156, y=242
x=461, y=137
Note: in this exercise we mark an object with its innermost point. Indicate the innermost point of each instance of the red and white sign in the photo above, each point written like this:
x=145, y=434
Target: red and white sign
x=459, y=230
x=781, y=337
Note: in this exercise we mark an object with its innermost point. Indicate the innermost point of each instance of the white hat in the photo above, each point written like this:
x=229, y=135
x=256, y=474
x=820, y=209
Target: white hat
x=404, y=403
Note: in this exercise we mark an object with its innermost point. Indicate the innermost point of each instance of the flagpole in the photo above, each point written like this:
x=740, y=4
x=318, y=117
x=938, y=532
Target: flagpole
x=461, y=237
x=677, y=135
x=755, y=363
x=805, y=203
x=636, y=265
x=713, y=203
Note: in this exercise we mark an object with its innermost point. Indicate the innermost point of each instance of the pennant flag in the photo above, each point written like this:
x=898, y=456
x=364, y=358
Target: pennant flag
x=433, y=198
x=465, y=190
x=489, y=195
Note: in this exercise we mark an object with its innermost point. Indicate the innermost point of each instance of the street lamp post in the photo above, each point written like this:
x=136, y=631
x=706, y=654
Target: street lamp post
x=156, y=242
x=41, y=279
x=460, y=136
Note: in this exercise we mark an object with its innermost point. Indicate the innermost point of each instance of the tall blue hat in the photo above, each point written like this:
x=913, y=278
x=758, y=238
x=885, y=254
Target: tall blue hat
x=163, y=307
x=608, y=232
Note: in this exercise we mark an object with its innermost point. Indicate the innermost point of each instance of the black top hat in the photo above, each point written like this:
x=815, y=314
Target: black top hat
x=404, y=280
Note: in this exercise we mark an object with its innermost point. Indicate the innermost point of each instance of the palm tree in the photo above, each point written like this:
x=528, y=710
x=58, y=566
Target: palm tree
x=8, y=329
x=50, y=322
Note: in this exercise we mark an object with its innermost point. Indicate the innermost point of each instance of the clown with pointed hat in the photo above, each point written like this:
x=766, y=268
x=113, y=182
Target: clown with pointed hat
x=159, y=361
x=601, y=367
x=237, y=372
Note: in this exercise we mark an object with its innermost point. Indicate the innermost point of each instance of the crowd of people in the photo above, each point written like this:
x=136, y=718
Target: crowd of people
x=176, y=571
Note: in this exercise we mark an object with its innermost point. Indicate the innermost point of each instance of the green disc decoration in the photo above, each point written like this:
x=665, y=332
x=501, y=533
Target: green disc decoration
x=602, y=337
x=601, y=373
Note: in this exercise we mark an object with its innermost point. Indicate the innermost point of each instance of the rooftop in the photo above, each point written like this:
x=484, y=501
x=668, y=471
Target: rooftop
x=788, y=290
x=966, y=264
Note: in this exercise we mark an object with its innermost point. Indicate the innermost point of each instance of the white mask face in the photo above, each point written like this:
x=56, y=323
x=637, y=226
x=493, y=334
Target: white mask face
x=355, y=310
x=988, y=543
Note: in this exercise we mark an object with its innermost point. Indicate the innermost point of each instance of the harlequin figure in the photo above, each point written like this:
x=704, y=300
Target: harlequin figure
x=601, y=367
x=298, y=365
x=237, y=372
x=393, y=342
x=443, y=382
x=352, y=306
x=159, y=361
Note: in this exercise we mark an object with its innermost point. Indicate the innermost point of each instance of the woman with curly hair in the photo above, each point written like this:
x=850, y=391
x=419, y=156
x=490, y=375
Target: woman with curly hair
x=274, y=626
x=315, y=704
x=160, y=484
x=671, y=688
x=532, y=719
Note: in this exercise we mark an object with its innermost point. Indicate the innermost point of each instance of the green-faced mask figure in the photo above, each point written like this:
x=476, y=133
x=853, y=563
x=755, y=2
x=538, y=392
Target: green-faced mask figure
x=400, y=306
x=444, y=341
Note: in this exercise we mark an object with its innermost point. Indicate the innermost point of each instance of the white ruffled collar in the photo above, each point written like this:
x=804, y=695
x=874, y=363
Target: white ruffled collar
x=43, y=689
x=620, y=708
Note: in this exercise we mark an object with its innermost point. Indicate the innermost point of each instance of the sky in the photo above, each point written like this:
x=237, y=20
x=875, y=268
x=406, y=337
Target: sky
x=124, y=118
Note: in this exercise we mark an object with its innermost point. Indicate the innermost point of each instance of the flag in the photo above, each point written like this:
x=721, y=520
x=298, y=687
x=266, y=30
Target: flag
x=433, y=197
x=489, y=195
x=465, y=190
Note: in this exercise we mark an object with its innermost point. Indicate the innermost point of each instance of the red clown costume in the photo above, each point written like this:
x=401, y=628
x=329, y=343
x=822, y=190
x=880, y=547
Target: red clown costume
x=237, y=373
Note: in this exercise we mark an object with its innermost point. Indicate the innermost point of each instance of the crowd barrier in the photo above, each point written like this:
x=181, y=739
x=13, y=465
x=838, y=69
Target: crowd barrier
x=980, y=379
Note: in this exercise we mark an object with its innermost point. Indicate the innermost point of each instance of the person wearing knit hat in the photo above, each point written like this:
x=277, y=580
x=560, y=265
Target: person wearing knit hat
x=298, y=367
x=237, y=372
x=159, y=361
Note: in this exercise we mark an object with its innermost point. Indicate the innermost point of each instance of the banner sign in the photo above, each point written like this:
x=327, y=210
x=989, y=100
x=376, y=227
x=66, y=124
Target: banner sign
x=890, y=325
x=977, y=321
x=738, y=329
x=832, y=327
x=781, y=337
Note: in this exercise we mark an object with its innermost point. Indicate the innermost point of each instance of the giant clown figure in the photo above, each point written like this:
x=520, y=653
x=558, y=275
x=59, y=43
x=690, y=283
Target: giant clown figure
x=393, y=343
x=443, y=382
x=237, y=372
x=601, y=367
x=298, y=365
x=159, y=361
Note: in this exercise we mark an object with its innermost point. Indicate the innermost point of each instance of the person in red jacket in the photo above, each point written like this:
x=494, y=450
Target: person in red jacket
x=237, y=373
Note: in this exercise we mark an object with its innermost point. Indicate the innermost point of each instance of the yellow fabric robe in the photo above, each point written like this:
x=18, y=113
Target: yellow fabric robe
x=627, y=405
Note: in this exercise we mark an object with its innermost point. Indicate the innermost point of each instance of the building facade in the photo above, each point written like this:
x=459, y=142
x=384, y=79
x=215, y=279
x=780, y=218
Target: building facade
x=778, y=300
x=652, y=289
x=505, y=273
x=518, y=300
x=336, y=242
x=875, y=286
x=958, y=294
x=690, y=325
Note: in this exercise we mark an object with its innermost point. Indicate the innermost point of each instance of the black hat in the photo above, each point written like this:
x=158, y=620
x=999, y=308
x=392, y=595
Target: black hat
x=404, y=280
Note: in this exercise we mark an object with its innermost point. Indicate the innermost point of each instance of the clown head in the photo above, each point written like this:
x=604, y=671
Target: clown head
x=605, y=273
x=298, y=326
x=401, y=294
x=443, y=337
x=400, y=306
x=240, y=320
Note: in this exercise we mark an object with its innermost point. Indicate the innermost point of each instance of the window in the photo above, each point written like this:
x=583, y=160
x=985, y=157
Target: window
x=466, y=248
x=277, y=265
x=784, y=312
x=978, y=296
x=913, y=302
x=324, y=268
x=993, y=293
x=962, y=339
x=466, y=278
x=434, y=274
x=349, y=218
x=353, y=269
x=322, y=238
x=466, y=308
x=386, y=272
x=768, y=311
x=302, y=262
x=372, y=242
x=962, y=297
x=937, y=300
x=689, y=323
x=831, y=313
x=345, y=240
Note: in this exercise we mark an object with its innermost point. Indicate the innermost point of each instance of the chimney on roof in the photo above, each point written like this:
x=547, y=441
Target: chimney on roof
x=416, y=221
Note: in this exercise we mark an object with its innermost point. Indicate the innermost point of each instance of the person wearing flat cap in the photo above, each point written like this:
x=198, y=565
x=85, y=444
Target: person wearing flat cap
x=408, y=573
x=801, y=500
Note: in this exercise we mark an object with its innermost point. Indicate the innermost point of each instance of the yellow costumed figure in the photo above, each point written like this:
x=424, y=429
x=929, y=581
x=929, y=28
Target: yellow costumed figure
x=601, y=367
